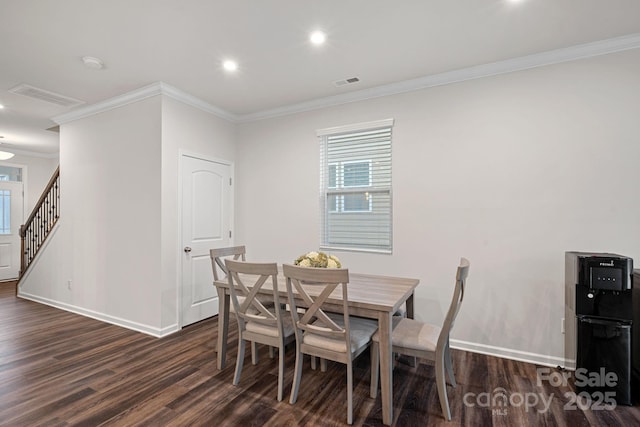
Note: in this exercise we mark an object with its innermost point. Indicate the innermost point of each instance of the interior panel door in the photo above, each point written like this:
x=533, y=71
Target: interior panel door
x=206, y=224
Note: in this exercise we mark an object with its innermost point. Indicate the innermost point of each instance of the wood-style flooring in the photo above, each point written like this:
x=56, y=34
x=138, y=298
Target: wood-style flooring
x=62, y=369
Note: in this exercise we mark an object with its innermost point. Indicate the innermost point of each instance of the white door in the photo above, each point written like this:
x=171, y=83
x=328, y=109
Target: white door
x=206, y=224
x=11, y=217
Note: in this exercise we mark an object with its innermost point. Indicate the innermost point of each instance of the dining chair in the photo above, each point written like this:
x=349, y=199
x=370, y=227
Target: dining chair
x=426, y=341
x=236, y=253
x=258, y=323
x=217, y=259
x=319, y=333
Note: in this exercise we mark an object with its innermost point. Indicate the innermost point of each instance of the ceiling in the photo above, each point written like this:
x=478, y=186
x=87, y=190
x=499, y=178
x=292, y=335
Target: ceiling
x=183, y=43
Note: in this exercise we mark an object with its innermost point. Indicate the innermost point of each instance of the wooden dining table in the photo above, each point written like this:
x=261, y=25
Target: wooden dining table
x=370, y=296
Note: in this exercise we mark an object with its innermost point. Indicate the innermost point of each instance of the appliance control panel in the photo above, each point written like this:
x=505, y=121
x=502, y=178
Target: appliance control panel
x=613, y=273
x=606, y=278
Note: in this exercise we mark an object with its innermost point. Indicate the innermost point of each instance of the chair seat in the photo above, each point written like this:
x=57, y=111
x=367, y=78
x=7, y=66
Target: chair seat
x=394, y=323
x=272, y=331
x=413, y=334
x=361, y=332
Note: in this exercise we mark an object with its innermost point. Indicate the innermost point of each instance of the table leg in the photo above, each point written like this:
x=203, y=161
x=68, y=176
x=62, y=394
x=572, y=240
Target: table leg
x=413, y=361
x=223, y=326
x=386, y=367
x=409, y=306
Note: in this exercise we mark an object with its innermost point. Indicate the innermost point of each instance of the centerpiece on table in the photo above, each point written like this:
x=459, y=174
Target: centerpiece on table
x=318, y=260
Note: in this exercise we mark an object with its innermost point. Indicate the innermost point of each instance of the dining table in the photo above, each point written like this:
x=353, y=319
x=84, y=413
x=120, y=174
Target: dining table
x=369, y=295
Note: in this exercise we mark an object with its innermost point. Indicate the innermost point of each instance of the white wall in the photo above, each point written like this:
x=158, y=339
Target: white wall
x=510, y=171
x=108, y=239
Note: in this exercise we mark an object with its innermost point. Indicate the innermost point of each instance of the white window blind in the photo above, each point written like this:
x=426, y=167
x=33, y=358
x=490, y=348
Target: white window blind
x=355, y=187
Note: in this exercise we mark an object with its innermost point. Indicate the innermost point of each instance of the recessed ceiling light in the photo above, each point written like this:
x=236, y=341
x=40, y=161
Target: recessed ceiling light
x=230, y=65
x=5, y=155
x=318, y=38
x=1, y=106
x=91, y=62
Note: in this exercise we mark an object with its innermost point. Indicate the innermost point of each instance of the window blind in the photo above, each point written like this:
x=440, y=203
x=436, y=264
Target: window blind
x=355, y=189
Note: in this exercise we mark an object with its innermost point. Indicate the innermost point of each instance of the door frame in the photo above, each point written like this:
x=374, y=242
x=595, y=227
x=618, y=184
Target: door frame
x=25, y=194
x=181, y=155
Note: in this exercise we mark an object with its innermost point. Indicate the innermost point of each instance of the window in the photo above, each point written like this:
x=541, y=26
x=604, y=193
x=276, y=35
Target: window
x=355, y=174
x=355, y=190
x=10, y=173
x=5, y=212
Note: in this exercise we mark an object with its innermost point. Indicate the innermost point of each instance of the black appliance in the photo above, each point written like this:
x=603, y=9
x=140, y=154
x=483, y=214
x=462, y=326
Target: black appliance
x=599, y=323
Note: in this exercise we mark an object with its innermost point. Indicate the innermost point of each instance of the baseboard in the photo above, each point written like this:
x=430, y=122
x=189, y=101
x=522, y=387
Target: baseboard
x=502, y=352
x=139, y=327
x=507, y=353
x=145, y=329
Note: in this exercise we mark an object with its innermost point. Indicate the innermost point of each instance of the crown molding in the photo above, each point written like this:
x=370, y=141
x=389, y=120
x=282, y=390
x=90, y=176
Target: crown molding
x=109, y=104
x=188, y=99
x=572, y=53
x=154, y=89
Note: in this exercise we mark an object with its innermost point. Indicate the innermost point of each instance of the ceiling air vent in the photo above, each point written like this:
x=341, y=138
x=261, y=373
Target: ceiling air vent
x=45, y=95
x=346, y=81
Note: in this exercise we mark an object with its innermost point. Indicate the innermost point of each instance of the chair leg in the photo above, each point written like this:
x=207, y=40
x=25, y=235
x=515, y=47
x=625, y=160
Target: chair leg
x=349, y=394
x=442, y=385
x=375, y=369
x=280, y=371
x=239, y=361
x=449, y=366
x=323, y=365
x=272, y=352
x=314, y=361
x=254, y=353
x=297, y=375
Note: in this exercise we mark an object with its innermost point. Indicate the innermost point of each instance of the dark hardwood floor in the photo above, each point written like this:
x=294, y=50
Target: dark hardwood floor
x=61, y=369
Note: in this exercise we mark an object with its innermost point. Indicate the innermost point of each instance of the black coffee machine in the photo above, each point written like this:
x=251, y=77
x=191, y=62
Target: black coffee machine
x=600, y=324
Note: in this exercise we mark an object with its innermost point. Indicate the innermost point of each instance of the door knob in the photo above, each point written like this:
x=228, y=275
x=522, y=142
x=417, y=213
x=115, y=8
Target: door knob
x=187, y=249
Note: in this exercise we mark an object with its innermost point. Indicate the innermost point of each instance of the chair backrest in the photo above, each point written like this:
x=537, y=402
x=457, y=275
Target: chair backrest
x=314, y=286
x=458, y=295
x=246, y=279
x=217, y=261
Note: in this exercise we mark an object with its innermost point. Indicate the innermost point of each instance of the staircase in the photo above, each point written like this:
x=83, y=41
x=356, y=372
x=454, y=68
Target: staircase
x=36, y=229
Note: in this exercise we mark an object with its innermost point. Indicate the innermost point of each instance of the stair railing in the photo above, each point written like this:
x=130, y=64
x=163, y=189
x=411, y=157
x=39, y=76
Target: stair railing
x=36, y=229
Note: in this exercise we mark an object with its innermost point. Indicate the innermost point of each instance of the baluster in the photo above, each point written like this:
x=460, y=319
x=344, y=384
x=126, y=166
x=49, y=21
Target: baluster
x=36, y=230
x=48, y=212
x=31, y=240
x=40, y=231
